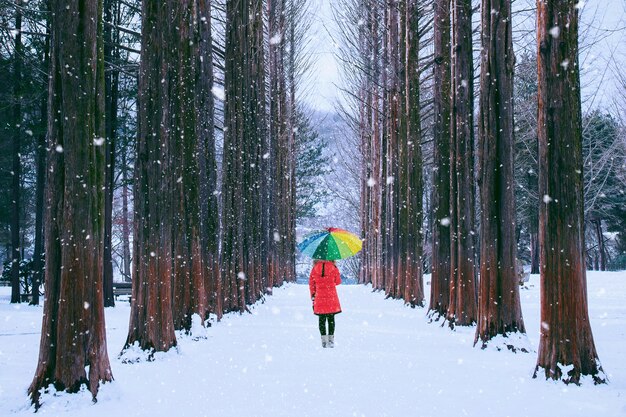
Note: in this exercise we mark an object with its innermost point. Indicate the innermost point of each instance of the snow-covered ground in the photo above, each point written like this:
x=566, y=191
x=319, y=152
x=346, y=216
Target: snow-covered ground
x=388, y=361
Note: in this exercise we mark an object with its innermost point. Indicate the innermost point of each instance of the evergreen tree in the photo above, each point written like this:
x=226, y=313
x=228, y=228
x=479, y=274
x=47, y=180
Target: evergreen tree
x=311, y=166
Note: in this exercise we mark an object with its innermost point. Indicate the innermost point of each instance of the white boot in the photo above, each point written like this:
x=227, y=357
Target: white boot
x=324, y=341
x=331, y=341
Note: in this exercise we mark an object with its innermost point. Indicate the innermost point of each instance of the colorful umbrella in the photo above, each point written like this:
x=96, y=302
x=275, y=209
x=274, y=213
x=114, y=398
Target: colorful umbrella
x=330, y=244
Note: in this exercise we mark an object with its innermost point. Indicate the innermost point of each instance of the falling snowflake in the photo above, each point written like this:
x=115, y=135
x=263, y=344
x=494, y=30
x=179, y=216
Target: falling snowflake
x=390, y=180
x=241, y=275
x=276, y=237
x=59, y=149
x=371, y=182
x=565, y=64
x=445, y=221
x=98, y=141
x=547, y=198
x=555, y=31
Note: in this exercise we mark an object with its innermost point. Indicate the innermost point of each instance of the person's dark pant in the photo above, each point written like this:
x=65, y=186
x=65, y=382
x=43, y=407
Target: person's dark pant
x=331, y=324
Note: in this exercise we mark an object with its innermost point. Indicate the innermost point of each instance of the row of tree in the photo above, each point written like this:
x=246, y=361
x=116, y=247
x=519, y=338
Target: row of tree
x=204, y=227
x=386, y=44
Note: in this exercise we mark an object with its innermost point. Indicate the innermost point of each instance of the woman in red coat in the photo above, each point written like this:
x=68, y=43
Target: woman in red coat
x=324, y=277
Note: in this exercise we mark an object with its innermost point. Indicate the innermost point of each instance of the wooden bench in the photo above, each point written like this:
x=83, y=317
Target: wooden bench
x=122, y=288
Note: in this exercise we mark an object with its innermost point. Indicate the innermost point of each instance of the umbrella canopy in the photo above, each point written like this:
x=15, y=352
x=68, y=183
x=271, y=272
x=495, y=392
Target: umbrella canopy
x=330, y=244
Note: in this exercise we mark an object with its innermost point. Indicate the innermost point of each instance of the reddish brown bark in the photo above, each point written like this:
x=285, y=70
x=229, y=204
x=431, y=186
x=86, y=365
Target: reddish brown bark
x=151, y=322
x=189, y=254
x=440, y=279
x=73, y=330
x=566, y=339
x=411, y=178
x=462, y=309
x=499, y=310
x=244, y=269
x=207, y=160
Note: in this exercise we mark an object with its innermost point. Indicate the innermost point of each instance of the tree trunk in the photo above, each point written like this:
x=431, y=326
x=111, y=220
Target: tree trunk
x=440, y=279
x=209, y=219
x=601, y=248
x=189, y=255
x=111, y=94
x=16, y=189
x=462, y=308
x=371, y=194
x=151, y=323
x=534, y=253
x=73, y=334
x=38, y=264
x=125, y=223
x=499, y=309
x=413, y=189
x=243, y=271
x=391, y=253
x=566, y=347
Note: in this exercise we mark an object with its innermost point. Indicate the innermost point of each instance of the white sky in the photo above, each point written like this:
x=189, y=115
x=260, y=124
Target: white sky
x=325, y=71
x=607, y=31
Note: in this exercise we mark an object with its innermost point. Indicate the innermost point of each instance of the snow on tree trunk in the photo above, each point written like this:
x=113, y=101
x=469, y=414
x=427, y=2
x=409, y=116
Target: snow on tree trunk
x=566, y=346
x=73, y=331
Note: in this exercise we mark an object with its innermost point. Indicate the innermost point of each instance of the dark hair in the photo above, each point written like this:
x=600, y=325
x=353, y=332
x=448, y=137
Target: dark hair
x=315, y=261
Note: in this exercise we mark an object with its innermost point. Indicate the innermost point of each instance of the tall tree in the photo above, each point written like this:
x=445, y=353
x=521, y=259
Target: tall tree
x=16, y=185
x=566, y=346
x=370, y=124
x=111, y=83
x=151, y=322
x=462, y=307
x=243, y=268
x=73, y=334
x=279, y=144
x=411, y=191
x=440, y=287
x=40, y=155
x=190, y=144
x=499, y=309
x=207, y=166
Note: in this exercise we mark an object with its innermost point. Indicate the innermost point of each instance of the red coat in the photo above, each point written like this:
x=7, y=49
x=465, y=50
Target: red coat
x=323, y=289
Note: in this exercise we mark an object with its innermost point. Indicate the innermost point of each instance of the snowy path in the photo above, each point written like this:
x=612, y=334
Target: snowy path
x=388, y=361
